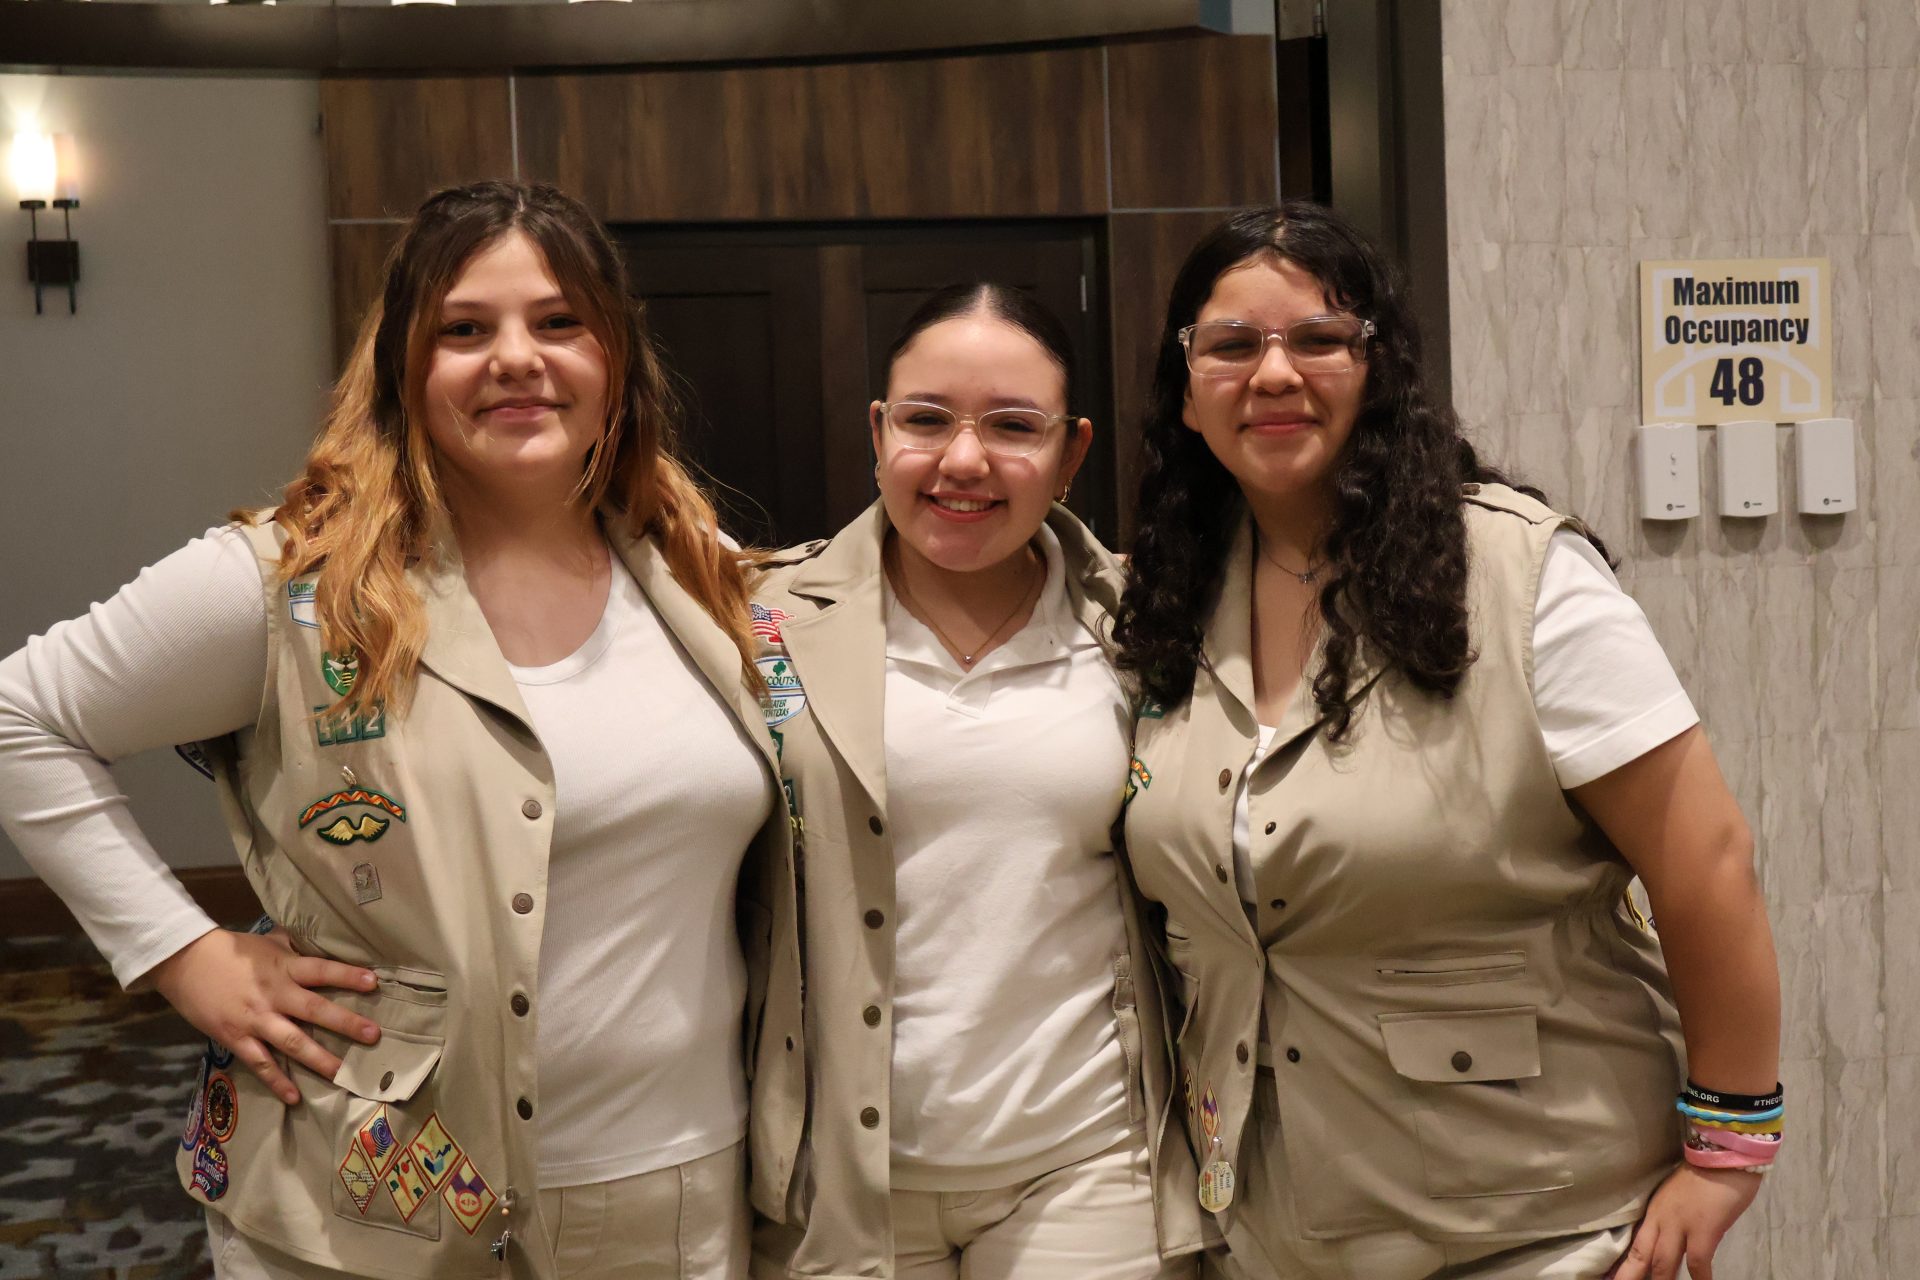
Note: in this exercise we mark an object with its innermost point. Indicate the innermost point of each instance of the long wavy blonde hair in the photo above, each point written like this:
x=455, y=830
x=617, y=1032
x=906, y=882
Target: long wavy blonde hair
x=369, y=503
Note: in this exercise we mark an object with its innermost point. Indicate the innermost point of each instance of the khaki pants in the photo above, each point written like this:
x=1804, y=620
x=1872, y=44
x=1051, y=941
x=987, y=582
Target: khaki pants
x=688, y=1222
x=1264, y=1243
x=1089, y=1221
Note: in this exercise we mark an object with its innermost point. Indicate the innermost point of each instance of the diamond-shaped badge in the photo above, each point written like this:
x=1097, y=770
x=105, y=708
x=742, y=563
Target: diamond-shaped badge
x=360, y=1179
x=434, y=1151
x=469, y=1196
x=375, y=1139
x=408, y=1189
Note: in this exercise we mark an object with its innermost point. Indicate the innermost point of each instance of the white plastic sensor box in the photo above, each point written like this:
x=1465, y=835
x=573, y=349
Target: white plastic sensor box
x=1823, y=461
x=1669, y=462
x=1749, y=467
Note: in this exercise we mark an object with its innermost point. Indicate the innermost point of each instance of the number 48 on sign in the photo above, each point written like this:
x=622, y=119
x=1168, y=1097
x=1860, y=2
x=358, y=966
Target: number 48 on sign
x=1731, y=339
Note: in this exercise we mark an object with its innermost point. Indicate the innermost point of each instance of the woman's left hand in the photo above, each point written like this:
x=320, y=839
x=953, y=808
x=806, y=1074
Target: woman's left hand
x=1685, y=1219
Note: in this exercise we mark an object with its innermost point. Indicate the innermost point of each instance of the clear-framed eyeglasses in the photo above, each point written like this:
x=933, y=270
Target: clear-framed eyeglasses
x=1234, y=348
x=1011, y=433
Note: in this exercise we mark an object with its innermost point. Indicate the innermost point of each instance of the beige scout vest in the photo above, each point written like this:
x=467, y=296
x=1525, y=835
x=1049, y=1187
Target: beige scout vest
x=1469, y=1034
x=821, y=616
x=417, y=846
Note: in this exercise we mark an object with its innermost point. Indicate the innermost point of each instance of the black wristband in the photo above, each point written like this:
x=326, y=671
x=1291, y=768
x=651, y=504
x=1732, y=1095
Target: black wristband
x=1734, y=1101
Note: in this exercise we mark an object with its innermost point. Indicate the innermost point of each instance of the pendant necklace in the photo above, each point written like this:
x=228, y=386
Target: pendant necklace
x=966, y=659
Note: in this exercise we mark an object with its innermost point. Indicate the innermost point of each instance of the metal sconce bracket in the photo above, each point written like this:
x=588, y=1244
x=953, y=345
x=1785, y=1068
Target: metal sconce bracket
x=53, y=262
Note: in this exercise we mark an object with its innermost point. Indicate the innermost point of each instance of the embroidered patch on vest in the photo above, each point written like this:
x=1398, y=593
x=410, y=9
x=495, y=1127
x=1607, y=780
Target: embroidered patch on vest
x=376, y=1142
x=360, y=1179
x=353, y=795
x=338, y=731
x=766, y=622
x=784, y=698
x=300, y=605
x=434, y=1152
x=469, y=1196
x=219, y=1056
x=196, y=1110
x=1138, y=778
x=1151, y=710
x=346, y=830
x=407, y=1187
x=341, y=670
x=223, y=1107
x=210, y=1169
x=366, y=883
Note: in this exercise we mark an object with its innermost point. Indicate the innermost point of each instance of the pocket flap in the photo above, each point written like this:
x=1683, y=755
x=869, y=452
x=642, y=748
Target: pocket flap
x=1464, y=1047
x=392, y=1070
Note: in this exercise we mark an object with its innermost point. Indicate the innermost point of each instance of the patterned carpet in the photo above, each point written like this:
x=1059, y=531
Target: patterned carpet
x=93, y=1092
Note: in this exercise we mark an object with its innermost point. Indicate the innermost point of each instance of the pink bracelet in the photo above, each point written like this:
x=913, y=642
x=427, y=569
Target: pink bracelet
x=1744, y=1143
x=1723, y=1160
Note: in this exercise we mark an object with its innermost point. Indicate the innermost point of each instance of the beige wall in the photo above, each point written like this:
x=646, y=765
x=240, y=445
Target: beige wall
x=1582, y=137
x=191, y=378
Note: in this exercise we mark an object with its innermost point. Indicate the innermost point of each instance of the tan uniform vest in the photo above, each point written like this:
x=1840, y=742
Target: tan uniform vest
x=1468, y=1032
x=417, y=845
x=823, y=625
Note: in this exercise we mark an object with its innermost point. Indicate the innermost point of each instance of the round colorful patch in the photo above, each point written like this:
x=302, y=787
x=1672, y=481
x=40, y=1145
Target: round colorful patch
x=210, y=1170
x=219, y=1055
x=196, y=1109
x=223, y=1107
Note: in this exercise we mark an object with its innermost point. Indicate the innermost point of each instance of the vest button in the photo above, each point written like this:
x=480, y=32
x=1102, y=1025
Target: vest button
x=1293, y=1055
x=1220, y=872
x=1271, y=826
x=872, y=1015
x=386, y=1080
x=873, y=825
x=1226, y=776
x=1462, y=1060
x=525, y=1109
x=870, y=1117
x=523, y=903
x=531, y=808
x=875, y=919
x=520, y=1004
x=1240, y=1053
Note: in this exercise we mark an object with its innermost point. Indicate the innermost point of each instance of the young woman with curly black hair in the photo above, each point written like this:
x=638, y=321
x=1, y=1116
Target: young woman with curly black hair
x=1403, y=747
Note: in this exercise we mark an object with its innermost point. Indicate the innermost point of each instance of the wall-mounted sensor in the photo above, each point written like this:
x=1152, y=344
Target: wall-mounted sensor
x=1669, y=457
x=1823, y=463
x=1749, y=467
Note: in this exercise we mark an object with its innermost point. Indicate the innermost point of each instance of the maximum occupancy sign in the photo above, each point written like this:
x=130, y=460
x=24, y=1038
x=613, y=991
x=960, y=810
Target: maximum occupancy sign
x=1728, y=340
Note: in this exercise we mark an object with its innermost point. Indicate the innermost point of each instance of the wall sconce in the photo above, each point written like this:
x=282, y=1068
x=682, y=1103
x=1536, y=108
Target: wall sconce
x=43, y=175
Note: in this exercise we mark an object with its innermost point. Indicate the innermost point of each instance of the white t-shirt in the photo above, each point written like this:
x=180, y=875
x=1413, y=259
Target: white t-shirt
x=1002, y=787
x=1603, y=689
x=659, y=794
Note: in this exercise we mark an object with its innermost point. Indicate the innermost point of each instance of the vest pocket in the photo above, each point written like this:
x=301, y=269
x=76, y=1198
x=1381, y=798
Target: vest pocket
x=393, y=1153
x=1482, y=1130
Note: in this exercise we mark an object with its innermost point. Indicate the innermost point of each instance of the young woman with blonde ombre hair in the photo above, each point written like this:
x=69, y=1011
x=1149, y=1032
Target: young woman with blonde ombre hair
x=479, y=699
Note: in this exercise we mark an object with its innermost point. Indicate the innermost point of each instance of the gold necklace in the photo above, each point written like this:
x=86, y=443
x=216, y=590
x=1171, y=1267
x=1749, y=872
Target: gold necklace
x=966, y=659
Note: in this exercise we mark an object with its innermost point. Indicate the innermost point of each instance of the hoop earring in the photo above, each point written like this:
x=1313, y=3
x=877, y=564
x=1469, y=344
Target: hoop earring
x=1065, y=489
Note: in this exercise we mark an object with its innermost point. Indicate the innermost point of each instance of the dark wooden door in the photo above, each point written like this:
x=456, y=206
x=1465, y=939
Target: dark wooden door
x=778, y=336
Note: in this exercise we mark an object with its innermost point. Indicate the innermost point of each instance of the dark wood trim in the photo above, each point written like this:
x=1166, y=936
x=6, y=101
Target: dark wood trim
x=29, y=909
x=1388, y=144
x=336, y=38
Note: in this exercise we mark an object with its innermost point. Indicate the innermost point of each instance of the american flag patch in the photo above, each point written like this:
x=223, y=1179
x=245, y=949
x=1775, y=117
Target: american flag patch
x=766, y=622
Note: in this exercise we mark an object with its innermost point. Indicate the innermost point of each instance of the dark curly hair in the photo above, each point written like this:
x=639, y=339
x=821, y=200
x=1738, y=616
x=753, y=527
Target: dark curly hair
x=1396, y=551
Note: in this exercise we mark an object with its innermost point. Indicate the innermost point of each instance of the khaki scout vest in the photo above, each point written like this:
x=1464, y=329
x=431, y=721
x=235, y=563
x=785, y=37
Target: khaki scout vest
x=1469, y=1033
x=819, y=612
x=417, y=846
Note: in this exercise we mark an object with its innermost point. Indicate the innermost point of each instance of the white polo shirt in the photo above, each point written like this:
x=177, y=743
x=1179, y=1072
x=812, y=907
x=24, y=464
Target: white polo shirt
x=1003, y=784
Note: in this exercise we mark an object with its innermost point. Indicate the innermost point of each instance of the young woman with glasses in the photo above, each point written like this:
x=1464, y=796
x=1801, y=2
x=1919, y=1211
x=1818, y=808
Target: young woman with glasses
x=986, y=1059
x=477, y=699
x=1409, y=745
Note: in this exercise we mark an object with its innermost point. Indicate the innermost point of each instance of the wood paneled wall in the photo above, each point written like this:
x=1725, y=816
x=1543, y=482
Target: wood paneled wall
x=1160, y=136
